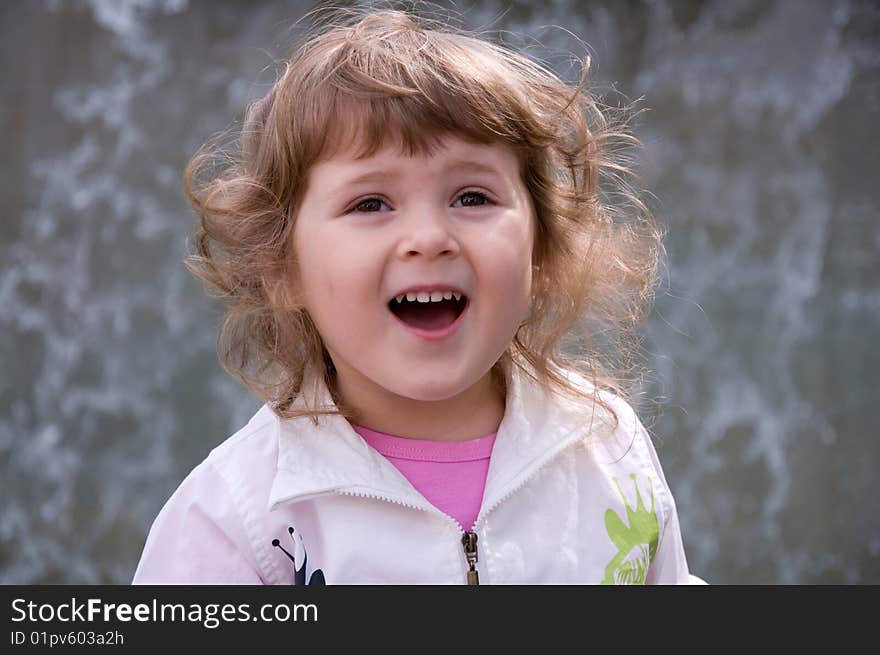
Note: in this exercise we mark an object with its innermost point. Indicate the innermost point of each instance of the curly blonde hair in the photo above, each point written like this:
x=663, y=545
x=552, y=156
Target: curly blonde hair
x=363, y=78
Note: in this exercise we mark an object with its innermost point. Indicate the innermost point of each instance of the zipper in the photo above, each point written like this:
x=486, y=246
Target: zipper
x=469, y=542
x=469, y=537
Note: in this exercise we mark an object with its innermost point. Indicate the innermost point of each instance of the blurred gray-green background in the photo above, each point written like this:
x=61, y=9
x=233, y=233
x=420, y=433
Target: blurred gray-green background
x=762, y=150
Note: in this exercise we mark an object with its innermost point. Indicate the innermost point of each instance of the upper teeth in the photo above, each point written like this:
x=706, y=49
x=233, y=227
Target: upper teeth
x=424, y=296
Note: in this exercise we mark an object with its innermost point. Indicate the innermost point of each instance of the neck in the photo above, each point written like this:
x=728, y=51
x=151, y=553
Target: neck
x=474, y=413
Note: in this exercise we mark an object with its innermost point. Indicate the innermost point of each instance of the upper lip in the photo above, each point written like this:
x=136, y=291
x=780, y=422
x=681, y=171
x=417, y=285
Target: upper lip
x=430, y=286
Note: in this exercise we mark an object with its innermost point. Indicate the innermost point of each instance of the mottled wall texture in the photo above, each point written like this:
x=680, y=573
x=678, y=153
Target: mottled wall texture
x=762, y=151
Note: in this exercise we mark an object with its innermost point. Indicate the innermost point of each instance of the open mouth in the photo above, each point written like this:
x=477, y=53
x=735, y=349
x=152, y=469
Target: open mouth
x=428, y=315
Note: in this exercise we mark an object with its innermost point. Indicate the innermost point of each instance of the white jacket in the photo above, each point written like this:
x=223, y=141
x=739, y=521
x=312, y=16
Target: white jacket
x=566, y=501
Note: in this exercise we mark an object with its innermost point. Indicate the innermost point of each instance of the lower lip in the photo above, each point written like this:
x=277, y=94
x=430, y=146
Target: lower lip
x=435, y=335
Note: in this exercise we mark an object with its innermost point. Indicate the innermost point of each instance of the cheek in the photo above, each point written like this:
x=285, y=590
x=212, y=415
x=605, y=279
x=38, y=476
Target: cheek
x=335, y=275
x=507, y=270
x=310, y=268
x=514, y=256
x=319, y=285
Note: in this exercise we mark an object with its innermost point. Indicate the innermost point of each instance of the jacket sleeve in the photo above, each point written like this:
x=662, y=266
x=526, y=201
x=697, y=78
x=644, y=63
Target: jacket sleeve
x=198, y=537
x=669, y=565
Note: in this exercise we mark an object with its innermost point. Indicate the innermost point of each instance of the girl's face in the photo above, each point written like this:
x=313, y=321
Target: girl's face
x=370, y=230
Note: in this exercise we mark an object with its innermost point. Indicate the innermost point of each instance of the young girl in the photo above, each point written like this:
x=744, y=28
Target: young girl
x=418, y=220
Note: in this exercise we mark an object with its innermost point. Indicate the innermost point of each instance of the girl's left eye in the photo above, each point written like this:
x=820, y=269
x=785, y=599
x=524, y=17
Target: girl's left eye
x=472, y=199
x=373, y=204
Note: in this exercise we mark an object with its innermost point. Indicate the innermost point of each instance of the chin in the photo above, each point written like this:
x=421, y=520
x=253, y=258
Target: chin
x=428, y=390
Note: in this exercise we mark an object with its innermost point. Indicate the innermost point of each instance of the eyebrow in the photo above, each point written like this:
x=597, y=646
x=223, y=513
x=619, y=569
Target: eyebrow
x=379, y=175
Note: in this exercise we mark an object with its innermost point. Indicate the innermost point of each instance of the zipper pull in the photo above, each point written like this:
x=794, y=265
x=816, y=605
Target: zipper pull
x=469, y=541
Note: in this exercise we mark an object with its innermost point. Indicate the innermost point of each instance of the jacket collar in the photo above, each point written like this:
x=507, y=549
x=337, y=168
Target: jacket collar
x=332, y=457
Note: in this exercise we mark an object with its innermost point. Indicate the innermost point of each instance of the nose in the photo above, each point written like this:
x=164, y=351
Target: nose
x=428, y=234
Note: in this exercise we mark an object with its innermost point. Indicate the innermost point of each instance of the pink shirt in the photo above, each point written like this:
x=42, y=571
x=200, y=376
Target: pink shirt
x=451, y=475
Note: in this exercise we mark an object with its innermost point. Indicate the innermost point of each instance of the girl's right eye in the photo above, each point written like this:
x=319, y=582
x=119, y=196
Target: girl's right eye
x=368, y=205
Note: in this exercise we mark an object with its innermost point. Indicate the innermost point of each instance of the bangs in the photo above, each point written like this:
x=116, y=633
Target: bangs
x=364, y=125
x=369, y=92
